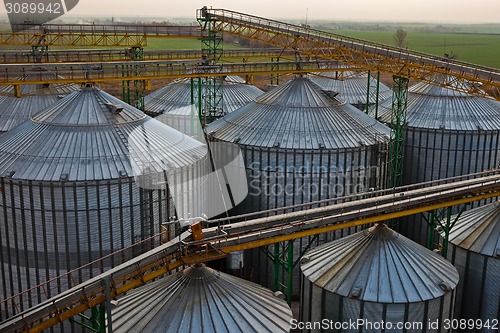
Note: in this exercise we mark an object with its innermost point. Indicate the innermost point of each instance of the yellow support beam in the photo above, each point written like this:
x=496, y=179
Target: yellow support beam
x=252, y=233
x=358, y=53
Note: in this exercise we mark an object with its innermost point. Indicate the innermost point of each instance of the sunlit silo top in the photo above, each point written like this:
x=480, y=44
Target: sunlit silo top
x=176, y=97
x=200, y=299
x=436, y=107
x=85, y=136
x=478, y=230
x=33, y=98
x=379, y=265
x=298, y=115
x=352, y=86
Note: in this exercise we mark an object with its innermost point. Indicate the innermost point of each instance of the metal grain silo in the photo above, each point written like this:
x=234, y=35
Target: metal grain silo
x=69, y=192
x=32, y=99
x=300, y=145
x=375, y=276
x=448, y=133
x=200, y=299
x=179, y=100
x=474, y=249
x=352, y=87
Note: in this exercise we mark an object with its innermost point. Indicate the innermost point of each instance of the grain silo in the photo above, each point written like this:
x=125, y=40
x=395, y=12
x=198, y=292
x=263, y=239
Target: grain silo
x=353, y=87
x=69, y=195
x=377, y=276
x=300, y=145
x=200, y=299
x=179, y=100
x=32, y=99
x=474, y=249
x=448, y=133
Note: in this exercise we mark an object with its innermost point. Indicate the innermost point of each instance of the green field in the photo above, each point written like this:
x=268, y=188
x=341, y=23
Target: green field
x=478, y=48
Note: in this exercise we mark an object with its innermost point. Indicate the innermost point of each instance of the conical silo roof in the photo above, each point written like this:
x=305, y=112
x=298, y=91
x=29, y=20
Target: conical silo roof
x=379, y=265
x=299, y=115
x=478, y=230
x=33, y=98
x=200, y=299
x=352, y=86
x=85, y=136
x=176, y=97
x=435, y=107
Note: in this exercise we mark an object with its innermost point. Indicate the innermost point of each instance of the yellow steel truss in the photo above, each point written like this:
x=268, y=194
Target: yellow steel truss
x=358, y=53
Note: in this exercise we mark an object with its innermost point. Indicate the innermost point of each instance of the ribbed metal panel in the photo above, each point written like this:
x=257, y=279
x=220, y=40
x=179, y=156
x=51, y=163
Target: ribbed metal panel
x=176, y=97
x=300, y=145
x=68, y=190
x=297, y=115
x=377, y=274
x=34, y=98
x=352, y=87
x=448, y=134
x=475, y=251
x=200, y=299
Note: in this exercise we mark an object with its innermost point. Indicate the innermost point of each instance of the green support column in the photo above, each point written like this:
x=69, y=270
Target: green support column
x=277, y=266
x=96, y=322
x=211, y=50
x=448, y=226
x=398, y=125
x=397, y=137
x=290, y=266
x=139, y=86
x=38, y=51
x=377, y=95
x=368, y=93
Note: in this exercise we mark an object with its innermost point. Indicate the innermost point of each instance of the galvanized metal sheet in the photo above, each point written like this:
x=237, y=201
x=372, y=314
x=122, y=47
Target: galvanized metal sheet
x=177, y=96
x=435, y=107
x=200, y=299
x=478, y=230
x=298, y=115
x=81, y=138
x=379, y=265
x=34, y=98
x=352, y=87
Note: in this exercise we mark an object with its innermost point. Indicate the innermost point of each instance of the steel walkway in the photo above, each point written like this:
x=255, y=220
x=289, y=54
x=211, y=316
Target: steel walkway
x=249, y=231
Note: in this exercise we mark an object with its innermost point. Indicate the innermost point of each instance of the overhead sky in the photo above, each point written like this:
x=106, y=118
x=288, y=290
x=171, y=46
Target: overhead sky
x=458, y=11
x=465, y=11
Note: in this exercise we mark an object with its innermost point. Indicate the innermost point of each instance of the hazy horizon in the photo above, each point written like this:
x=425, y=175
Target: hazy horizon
x=431, y=11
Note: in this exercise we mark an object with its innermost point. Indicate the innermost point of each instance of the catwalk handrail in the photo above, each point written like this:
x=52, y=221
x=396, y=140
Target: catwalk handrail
x=123, y=54
x=376, y=50
x=222, y=239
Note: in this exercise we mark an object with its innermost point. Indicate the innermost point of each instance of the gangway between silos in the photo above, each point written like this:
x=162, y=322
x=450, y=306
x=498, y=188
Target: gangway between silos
x=223, y=236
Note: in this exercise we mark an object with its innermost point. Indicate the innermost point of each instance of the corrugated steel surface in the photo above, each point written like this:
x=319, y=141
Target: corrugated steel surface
x=435, y=107
x=478, y=230
x=448, y=134
x=176, y=97
x=352, y=87
x=79, y=136
x=69, y=195
x=376, y=274
x=297, y=115
x=405, y=271
x=200, y=299
x=34, y=98
x=300, y=145
x=475, y=250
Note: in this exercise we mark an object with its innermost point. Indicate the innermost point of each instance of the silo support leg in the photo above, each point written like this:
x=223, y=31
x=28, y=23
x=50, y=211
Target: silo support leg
x=447, y=224
x=284, y=263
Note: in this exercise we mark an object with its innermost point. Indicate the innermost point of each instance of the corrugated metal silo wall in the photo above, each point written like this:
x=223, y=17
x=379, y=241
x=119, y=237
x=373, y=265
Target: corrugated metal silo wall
x=280, y=177
x=479, y=287
x=49, y=228
x=432, y=154
x=318, y=304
